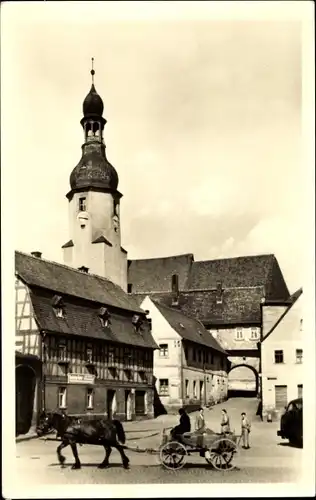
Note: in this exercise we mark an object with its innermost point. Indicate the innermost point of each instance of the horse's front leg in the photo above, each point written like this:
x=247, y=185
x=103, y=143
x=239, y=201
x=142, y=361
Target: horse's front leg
x=77, y=464
x=105, y=462
x=61, y=458
x=125, y=459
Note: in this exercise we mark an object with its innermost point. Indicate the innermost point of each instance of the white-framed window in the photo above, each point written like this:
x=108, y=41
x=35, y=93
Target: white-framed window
x=62, y=397
x=62, y=351
x=254, y=334
x=239, y=334
x=89, y=398
x=194, y=389
x=299, y=356
x=278, y=356
x=82, y=204
x=163, y=386
x=186, y=388
x=163, y=350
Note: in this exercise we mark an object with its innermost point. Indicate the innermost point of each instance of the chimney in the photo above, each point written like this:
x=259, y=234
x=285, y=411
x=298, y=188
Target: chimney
x=37, y=254
x=175, y=290
x=83, y=269
x=219, y=292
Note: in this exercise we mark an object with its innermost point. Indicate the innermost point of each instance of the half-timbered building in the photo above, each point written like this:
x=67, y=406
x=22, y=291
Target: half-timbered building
x=84, y=345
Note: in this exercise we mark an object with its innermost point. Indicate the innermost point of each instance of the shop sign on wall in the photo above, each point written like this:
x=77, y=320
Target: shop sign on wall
x=81, y=378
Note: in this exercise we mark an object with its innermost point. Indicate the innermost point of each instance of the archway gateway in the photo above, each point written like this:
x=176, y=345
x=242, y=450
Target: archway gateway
x=24, y=399
x=243, y=380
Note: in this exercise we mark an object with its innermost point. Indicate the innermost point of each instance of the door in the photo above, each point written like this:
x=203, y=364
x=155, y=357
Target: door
x=280, y=396
x=300, y=390
x=128, y=405
x=110, y=403
x=24, y=398
x=140, y=402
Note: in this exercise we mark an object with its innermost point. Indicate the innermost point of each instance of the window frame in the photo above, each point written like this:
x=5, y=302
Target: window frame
x=254, y=334
x=62, y=397
x=165, y=387
x=82, y=204
x=163, y=351
x=299, y=358
x=239, y=330
x=280, y=353
x=90, y=394
x=187, y=386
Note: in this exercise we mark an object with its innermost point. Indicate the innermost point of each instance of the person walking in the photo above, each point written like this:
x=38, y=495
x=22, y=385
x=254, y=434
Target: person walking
x=225, y=425
x=245, y=430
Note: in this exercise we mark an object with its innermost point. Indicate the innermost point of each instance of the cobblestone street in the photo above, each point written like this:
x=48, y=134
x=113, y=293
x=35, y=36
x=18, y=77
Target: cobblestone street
x=269, y=460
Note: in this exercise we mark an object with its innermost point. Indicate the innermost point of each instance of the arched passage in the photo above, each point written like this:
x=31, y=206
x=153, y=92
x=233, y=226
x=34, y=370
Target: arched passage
x=243, y=381
x=25, y=383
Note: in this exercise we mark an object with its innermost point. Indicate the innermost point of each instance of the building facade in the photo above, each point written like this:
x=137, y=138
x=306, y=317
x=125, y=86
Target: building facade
x=282, y=353
x=224, y=294
x=190, y=367
x=92, y=342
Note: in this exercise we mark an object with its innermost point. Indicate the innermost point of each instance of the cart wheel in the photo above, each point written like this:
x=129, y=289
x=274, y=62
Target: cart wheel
x=222, y=453
x=173, y=455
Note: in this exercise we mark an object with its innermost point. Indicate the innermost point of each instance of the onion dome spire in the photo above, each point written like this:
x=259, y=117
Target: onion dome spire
x=93, y=170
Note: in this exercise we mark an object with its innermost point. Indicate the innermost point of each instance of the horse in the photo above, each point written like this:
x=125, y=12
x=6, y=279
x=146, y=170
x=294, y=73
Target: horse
x=67, y=419
x=103, y=432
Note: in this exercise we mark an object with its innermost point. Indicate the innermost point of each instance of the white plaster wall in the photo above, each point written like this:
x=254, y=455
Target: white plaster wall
x=214, y=378
x=165, y=367
x=287, y=336
x=101, y=259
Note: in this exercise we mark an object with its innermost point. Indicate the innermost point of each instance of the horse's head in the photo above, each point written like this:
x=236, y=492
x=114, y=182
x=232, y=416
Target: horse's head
x=45, y=423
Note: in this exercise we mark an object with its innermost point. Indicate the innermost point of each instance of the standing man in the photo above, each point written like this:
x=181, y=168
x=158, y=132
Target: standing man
x=225, y=426
x=200, y=421
x=245, y=430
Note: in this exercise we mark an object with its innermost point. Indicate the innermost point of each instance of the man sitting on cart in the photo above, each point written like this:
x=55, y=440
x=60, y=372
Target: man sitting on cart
x=184, y=425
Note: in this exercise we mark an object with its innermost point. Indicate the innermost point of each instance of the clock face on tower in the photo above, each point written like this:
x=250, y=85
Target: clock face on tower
x=116, y=223
x=83, y=218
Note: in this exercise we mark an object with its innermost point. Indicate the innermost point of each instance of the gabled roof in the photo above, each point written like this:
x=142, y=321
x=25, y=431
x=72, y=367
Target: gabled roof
x=188, y=328
x=82, y=319
x=239, y=305
x=249, y=271
x=63, y=279
x=153, y=275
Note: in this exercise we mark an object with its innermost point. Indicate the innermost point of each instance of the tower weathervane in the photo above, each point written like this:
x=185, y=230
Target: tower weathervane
x=92, y=70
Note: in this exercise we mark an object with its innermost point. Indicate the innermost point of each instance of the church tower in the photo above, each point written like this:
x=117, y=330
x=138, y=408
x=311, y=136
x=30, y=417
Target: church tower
x=94, y=203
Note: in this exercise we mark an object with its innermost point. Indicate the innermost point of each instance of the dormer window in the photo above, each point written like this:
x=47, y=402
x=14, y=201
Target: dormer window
x=137, y=322
x=82, y=204
x=104, y=316
x=58, y=306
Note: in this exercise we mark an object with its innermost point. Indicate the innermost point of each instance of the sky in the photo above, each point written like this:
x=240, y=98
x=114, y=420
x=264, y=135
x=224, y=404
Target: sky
x=204, y=111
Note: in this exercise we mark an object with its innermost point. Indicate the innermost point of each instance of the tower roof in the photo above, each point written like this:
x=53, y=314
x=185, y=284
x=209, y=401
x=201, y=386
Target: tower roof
x=93, y=170
x=93, y=104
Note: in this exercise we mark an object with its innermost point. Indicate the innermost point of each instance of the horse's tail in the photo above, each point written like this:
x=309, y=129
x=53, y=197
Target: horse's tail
x=120, y=431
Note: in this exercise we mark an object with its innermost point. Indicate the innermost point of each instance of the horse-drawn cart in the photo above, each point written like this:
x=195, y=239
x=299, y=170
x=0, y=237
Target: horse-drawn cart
x=219, y=450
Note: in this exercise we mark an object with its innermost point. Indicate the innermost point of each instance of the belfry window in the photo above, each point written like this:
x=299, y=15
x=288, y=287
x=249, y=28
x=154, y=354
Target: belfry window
x=82, y=204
